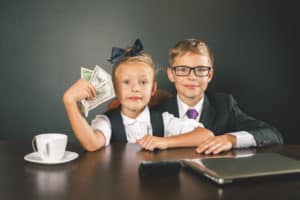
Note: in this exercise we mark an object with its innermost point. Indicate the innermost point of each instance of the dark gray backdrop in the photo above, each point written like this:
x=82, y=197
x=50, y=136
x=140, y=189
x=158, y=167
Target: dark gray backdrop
x=43, y=44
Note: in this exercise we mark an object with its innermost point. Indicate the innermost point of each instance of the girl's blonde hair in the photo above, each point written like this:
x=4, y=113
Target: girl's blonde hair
x=190, y=45
x=139, y=58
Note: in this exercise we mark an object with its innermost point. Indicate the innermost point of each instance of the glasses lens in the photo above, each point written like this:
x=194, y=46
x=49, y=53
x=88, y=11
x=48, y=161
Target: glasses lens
x=201, y=71
x=182, y=70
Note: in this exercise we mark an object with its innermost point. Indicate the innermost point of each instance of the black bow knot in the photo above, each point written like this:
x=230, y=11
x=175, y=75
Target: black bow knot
x=117, y=53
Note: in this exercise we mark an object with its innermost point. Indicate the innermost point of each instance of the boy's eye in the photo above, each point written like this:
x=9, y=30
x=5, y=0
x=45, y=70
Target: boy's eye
x=126, y=81
x=200, y=70
x=182, y=69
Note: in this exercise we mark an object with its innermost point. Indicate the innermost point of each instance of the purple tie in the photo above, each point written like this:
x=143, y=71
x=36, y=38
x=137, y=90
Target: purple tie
x=192, y=113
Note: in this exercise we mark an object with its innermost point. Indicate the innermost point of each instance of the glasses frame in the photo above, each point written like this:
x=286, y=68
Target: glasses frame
x=192, y=69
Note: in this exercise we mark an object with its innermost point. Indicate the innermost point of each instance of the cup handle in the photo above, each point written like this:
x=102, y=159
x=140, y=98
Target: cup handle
x=47, y=149
x=33, y=144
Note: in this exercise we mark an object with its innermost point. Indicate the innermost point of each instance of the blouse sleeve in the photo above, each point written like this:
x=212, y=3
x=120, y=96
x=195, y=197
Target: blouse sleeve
x=102, y=123
x=175, y=126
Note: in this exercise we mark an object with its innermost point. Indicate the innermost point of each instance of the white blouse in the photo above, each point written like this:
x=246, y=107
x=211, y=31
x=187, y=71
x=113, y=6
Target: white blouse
x=137, y=128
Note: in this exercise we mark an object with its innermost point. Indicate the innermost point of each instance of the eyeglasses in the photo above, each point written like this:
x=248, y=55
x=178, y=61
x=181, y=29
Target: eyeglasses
x=199, y=71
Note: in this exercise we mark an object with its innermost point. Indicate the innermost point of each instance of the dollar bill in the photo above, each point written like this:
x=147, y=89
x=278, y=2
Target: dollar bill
x=99, y=77
x=102, y=81
x=85, y=73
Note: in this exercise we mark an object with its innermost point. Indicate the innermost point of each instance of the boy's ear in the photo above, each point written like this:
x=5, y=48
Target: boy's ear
x=154, y=88
x=211, y=74
x=170, y=74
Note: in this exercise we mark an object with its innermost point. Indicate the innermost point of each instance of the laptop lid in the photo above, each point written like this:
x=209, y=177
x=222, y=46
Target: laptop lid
x=226, y=170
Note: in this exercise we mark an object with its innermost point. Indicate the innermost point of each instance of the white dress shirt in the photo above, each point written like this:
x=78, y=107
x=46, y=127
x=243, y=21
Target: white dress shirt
x=137, y=128
x=243, y=138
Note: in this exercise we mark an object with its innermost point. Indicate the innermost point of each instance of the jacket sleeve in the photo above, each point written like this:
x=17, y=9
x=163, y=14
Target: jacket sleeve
x=263, y=133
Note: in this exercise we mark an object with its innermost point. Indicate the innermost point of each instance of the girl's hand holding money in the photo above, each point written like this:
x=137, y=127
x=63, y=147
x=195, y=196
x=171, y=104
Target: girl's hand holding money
x=80, y=90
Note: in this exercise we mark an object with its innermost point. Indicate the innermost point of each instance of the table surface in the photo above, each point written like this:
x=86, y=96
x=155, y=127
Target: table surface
x=112, y=173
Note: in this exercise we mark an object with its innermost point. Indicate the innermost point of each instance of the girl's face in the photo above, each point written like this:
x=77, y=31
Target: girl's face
x=134, y=87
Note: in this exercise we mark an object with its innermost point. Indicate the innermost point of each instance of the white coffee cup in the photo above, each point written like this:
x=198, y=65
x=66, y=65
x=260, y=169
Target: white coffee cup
x=50, y=146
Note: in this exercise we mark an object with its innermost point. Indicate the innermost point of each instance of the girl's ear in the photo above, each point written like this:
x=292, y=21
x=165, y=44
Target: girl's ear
x=170, y=74
x=116, y=89
x=154, y=88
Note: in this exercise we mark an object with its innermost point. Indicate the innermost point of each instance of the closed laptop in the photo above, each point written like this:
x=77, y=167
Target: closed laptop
x=226, y=170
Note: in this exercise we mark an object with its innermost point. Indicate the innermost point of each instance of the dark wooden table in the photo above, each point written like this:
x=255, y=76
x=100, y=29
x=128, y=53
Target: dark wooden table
x=112, y=173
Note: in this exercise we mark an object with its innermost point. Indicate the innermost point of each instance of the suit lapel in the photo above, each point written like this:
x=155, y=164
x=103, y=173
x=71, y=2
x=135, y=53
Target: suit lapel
x=208, y=114
x=172, y=106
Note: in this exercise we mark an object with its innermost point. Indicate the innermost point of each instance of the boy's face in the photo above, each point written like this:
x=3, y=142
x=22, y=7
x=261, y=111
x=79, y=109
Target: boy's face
x=190, y=88
x=134, y=87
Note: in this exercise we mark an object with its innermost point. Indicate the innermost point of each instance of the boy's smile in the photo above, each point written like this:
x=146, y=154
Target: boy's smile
x=191, y=86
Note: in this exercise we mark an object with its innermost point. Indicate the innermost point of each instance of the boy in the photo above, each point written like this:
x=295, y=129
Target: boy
x=191, y=69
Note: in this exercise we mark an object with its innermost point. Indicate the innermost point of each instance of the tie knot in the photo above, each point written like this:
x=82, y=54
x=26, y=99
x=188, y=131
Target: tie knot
x=192, y=113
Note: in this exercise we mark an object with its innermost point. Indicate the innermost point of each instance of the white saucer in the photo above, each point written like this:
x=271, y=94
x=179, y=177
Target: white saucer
x=35, y=158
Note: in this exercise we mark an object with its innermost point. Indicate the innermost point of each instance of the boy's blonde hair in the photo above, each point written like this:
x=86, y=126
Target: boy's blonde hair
x=190, y=45
x=140, y=58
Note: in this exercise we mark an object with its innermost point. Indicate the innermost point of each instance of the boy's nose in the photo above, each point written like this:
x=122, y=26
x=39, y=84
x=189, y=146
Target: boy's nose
x=192, y=75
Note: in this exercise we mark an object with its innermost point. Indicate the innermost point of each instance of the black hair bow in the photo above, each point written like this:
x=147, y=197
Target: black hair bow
x=117, y=53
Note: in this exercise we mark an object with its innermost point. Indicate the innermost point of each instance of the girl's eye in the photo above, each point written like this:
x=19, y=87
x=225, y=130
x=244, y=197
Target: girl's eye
x=143, y=82
x=126, y=81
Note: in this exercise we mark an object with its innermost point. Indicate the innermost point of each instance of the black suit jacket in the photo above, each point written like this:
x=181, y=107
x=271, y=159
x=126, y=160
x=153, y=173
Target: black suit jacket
x=221, y=114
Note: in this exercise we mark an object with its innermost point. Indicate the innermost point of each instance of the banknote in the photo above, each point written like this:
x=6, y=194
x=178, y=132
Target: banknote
x=85, y=73
x=99, y=77
x=102, y=81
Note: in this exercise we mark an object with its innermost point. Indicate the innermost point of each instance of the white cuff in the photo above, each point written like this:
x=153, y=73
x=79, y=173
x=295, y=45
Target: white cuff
x=244, y=139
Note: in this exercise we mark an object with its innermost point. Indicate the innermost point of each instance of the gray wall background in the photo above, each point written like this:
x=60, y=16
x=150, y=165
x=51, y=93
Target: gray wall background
x=43, y=44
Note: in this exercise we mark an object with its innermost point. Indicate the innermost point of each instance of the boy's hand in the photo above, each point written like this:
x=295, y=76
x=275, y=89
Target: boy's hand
x=81, y=89
x=150, y=142
x=217, y=144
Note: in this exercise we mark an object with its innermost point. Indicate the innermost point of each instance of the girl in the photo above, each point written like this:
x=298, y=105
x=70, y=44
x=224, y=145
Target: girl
x=134, y=83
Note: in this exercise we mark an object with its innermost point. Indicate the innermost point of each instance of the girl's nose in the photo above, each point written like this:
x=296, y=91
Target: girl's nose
x=135, y=87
